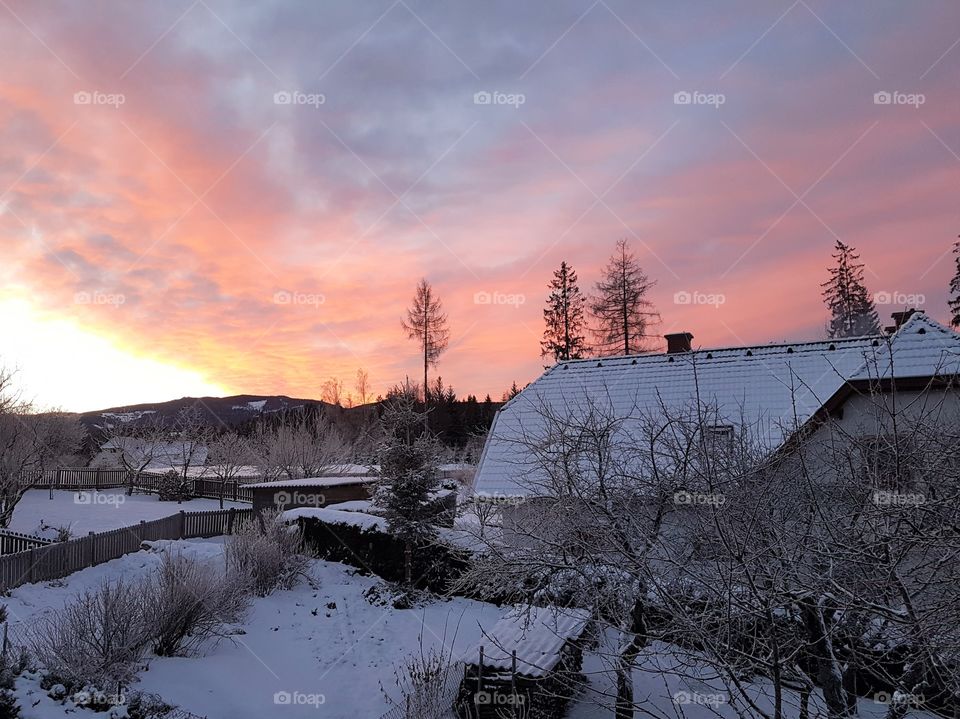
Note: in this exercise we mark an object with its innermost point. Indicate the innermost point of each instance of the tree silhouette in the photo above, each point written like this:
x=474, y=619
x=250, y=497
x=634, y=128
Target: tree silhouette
x=852, y=313
x=563, y=337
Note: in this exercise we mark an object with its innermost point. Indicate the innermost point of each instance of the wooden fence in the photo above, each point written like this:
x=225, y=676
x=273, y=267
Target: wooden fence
x=11, y=542
x=85, y=478
x=58, y=559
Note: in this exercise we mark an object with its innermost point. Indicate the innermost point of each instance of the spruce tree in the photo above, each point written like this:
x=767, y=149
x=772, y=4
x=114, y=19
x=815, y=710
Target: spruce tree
x=621, y=309
x=426, y=323
x=408, y=459
x=563, y=337
x=954, y=302
x=852, y=313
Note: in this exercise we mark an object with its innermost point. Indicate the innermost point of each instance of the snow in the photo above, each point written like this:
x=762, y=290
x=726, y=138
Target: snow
x=84, y=512
x=325, y=643
x=536, y=634
x=313, y=482
x=336, y=516
x=768, y=389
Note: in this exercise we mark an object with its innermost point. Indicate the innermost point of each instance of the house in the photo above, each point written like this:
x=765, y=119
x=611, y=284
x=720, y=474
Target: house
x=766, y=395
x=310, y=492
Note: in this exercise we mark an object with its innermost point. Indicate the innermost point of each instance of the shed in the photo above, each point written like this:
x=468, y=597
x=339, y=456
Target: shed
x=530, y=661
x=310, y=492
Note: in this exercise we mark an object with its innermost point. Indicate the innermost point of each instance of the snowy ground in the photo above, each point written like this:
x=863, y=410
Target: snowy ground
x=85, y=512
x=324, y=643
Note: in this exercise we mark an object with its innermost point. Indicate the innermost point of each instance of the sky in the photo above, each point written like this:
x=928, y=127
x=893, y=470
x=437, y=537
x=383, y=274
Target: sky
x=202, y=197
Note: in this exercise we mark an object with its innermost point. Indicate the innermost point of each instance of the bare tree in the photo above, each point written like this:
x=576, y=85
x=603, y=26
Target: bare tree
x=362, y=386
x=189, y=446
x=136, y=445
x=332, y=392
x=621, y=308
x=229, y=454
x=299, y=444
x=426, y=323
x=29, y=443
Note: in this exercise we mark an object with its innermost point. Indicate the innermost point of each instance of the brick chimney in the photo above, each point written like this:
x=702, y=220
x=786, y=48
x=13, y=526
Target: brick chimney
x=678, y=342
x=899, y=318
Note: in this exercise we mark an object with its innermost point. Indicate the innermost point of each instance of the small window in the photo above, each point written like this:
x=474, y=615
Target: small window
x=889, y=464
x=719, y=437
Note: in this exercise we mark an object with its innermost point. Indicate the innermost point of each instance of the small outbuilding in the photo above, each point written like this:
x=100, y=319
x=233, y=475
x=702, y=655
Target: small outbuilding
x=528, y=665
x=309, y=492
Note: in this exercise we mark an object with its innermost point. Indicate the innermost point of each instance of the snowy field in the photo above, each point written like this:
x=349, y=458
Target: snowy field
x=326, y=643
x=84, y=512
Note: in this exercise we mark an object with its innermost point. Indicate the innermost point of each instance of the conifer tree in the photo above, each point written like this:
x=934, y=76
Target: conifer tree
x=621, y=309
x=852, y=313
x=427, y=324
x=564, y=317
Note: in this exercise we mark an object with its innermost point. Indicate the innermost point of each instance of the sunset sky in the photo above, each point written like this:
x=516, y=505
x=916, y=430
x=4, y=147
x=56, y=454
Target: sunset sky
x=170, y=225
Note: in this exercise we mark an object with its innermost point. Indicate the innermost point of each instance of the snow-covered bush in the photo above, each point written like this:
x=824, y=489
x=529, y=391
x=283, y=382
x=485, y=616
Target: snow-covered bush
x=267, y=553
x=428, y=683
x=98, y=639
x=172, y=487
x=188, y=601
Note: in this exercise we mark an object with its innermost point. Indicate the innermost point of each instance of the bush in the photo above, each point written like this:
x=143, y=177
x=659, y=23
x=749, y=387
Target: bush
x=97, y=639
x=172, y=487
x=267, y=553
x=187, y=602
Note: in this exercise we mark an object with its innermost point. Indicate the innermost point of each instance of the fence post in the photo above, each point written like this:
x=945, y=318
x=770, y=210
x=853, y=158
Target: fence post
x=91, y=548
x=480, y=673
x=231, y=515
x=33, y=561
x=183, y=524
x=513, y=684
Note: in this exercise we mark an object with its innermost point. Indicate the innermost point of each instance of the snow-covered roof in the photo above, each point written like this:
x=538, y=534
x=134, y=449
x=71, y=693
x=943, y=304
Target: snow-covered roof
x=337, y=516
x=318, y=482
x=536, y=634
x=772, y=389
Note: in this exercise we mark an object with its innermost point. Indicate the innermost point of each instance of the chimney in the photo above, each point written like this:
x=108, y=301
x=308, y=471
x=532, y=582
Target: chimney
x=678, y=342
x=899, y=318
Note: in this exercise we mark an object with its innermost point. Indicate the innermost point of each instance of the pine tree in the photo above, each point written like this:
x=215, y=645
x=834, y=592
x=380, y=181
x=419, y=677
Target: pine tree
x=563, y=337
x=408, y=458
x=954, y=302
x=851, y=309
x=427, y=324
x=621, y=310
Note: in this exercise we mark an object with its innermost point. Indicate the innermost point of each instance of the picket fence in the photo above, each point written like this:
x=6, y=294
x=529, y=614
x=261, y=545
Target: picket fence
x=41, y=563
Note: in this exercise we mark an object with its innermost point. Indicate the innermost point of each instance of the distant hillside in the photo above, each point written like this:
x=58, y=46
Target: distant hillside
x=229, y=411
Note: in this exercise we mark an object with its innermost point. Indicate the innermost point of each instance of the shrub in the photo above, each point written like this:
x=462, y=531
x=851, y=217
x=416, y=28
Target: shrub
x=97, y=639
x=267, y=552
x=172, y=487
x=188, y=602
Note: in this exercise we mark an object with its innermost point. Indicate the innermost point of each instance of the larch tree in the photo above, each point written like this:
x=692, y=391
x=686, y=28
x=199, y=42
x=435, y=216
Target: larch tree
x=426, y=323
x=621, y=308
x=563, y=337
x=954, y=302
x=852, y=313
